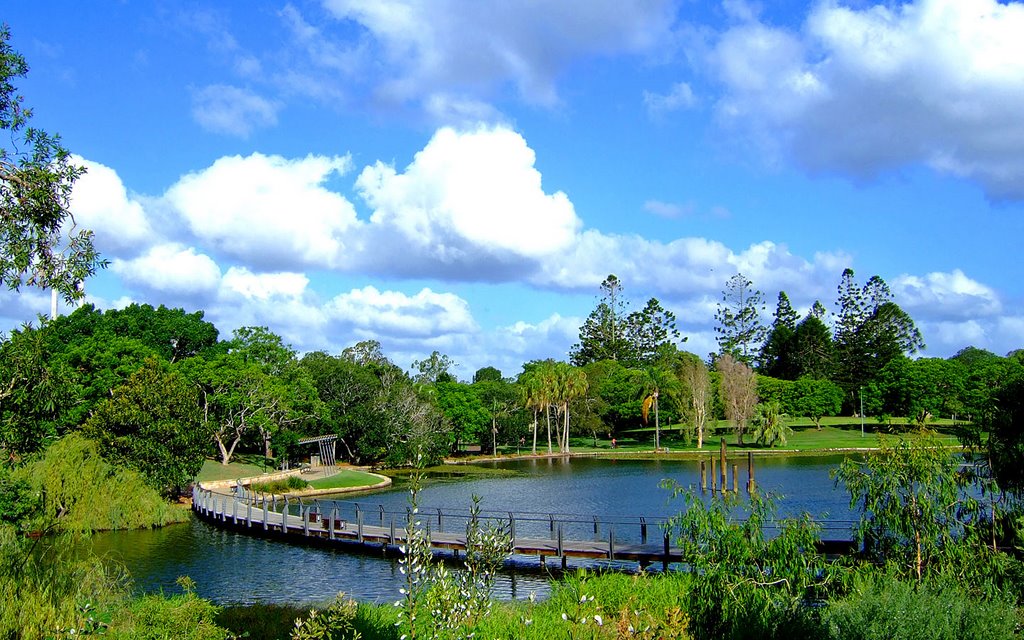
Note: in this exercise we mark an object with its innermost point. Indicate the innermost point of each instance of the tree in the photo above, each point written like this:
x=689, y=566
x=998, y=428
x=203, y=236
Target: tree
x=151, y=424
x=569, y=383
x=434, y=369
x=770, y=426
x=487, y=374
x=37, y=248
x=694, y=376
x=603, y=334
x=777, y=354
x=739, y=393
x=463, y=409
x=813, y=352
x=816, y=398
x=739, y=329
x=36, y=391
x=871, y=330
x=918, y=507
x=657, y=382
x=650, y=333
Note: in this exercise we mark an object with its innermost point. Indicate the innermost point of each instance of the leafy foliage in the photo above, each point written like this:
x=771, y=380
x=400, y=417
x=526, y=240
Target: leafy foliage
x=744, y=579
x=919, y=510
x=36, y=177
x=152, y=424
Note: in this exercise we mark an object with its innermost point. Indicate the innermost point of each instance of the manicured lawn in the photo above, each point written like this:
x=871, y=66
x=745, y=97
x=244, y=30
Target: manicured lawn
x=836, y=433
x=213, y=470
x=345, y=479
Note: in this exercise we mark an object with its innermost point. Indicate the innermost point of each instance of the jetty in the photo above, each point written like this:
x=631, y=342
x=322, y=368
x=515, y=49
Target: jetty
x=373, y=528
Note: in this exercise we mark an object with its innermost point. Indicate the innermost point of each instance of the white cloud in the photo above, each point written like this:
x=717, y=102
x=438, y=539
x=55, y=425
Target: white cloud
x=448, y=45
x=946, y=295
x=680, y=96
x=471, y=200
x=861, y=91
x=668, y=209
x=100, y=202
x=231, y=110
x=268, y=210
x=170, y=268
x=369, y=311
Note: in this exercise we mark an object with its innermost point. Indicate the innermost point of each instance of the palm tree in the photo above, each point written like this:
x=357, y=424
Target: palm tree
x=530, y=395
x=656, y=382
x=570, y=383
x=770, y=424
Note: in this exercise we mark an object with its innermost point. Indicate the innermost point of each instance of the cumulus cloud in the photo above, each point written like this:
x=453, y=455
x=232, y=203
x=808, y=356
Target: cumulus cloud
x=946, y=295
x=369, y=311
x=864, y=90
x=100, y=202
x=170, y=268
x=423, y=45
x=468, y=201
x=232, y=110
x=267, y=210
x=686, y=266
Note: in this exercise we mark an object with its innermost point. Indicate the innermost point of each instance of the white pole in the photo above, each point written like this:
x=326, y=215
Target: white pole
x=53, y=304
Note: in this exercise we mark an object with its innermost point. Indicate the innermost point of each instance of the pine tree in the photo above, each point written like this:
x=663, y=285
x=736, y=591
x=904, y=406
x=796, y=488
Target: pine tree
x=740, y=331
x=777, y=353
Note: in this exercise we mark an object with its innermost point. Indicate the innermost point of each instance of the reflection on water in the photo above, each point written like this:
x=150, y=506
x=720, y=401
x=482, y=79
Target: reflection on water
x=235, y=568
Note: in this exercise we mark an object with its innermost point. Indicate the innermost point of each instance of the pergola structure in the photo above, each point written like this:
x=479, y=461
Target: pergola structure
x=327, y=445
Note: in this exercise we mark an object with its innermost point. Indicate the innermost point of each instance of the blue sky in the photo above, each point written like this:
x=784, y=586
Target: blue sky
x=461, y=176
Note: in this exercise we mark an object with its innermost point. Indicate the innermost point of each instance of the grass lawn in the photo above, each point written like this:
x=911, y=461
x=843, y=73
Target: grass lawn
x=836, y=433
x=345, y=479
x=213, y=470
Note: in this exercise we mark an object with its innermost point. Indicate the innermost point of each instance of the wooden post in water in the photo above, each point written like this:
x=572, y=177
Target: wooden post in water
x=735, y=478
x=703, y=477
x=714, y=477
x=725, y=470
x=750, y=472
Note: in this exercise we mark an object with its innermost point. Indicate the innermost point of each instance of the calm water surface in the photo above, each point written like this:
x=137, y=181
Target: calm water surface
x=235, y=568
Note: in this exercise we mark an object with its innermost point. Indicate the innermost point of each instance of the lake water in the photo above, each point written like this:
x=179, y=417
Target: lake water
x=235, y=568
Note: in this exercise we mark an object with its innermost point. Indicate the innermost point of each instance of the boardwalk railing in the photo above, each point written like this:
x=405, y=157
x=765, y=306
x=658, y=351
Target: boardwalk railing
x=639, y=539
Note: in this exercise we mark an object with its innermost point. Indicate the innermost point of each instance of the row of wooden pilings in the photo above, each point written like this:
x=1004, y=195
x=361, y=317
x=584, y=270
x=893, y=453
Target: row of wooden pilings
x=721, y=470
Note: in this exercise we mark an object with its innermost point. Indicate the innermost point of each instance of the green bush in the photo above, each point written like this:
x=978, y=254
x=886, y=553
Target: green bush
x=284, y=485
x=155, y=617
x=49, y=590
x=883, y=606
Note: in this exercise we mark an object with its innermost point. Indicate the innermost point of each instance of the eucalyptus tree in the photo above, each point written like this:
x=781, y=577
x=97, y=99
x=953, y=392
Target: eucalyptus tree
x=693, y=374
x=40, y=244
x=740, y=330
x=738, y=391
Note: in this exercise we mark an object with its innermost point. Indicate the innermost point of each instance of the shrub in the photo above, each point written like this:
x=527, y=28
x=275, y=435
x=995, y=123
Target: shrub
x=284, y=485
x=883, y=606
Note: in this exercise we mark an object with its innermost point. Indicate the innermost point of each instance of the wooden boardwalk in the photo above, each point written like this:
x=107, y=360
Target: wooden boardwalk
x=312, y=523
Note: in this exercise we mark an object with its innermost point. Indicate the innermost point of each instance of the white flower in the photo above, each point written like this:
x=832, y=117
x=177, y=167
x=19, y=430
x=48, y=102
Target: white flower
x=565, y=617
x=599, y=620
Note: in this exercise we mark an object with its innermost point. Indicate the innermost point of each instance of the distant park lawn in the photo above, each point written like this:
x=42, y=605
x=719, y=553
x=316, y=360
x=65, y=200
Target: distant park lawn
x=213, y=470
x=345, y=479
x=836, y=433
